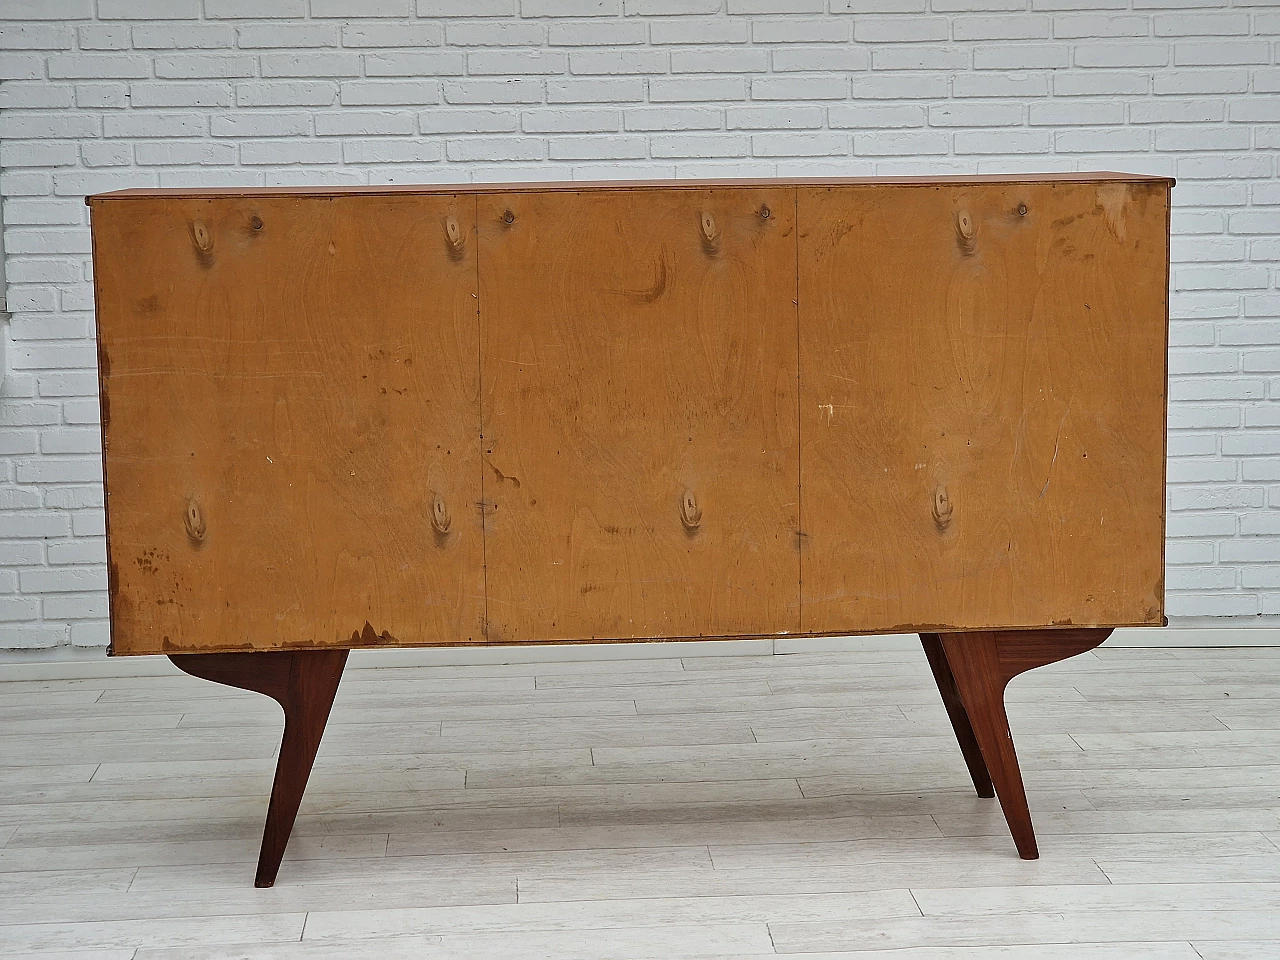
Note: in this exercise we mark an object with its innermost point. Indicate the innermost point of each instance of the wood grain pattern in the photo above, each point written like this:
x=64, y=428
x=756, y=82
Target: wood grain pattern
x=639, y=368
x=961, y=427
x=290, y=408
x=982, y=405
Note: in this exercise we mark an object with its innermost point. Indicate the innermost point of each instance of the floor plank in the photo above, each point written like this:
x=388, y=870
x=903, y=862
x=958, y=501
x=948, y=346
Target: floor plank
x=649, y=942
x=1061, y=927
x=1224, y=950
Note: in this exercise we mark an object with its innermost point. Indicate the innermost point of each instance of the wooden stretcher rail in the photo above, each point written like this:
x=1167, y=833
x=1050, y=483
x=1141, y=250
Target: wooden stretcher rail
x=521, y=413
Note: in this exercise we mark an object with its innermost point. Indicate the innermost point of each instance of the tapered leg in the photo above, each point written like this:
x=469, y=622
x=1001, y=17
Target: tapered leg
x=982, y=664
x=976, y=667
x=955, y=710
x=304, y=683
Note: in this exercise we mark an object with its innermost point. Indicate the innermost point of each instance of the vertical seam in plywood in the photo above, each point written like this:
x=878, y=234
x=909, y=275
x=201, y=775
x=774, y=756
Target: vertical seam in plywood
x=800, y=538
x=484, y=533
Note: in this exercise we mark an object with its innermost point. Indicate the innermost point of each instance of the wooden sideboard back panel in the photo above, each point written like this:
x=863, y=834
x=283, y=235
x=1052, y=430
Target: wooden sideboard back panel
x=983, y=389
x=290, y=392
x=529, y=414
x=640, y=432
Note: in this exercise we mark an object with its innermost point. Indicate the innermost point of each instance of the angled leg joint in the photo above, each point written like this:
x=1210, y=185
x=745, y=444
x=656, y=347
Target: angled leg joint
x=972, y=671
x=304, y=683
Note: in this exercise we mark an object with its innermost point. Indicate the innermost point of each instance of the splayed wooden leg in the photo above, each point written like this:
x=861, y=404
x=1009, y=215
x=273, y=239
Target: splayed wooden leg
x=304, y=683
x=981, y=665
x=959, y=718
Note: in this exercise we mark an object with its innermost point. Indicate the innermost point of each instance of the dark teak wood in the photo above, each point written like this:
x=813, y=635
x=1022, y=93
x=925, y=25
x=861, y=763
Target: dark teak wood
x=959, y=718
x=972, y=671
x=304, y=683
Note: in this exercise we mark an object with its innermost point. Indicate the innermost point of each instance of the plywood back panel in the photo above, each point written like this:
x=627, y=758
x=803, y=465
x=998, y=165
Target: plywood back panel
x=290, y=407
x=639, y=369
x=982, y=404
x=519, y=413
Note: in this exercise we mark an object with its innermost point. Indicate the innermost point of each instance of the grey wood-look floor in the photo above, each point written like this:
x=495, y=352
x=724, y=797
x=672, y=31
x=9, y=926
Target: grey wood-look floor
x=717, y=807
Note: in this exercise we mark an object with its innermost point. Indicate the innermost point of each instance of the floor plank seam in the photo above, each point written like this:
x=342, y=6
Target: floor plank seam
x=915, y=900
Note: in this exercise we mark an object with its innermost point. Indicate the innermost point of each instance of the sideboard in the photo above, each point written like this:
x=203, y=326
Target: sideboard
x=524, y=413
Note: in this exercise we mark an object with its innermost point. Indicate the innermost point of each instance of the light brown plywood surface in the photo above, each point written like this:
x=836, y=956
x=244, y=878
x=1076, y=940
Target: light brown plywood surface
x=961, y=427
x=640, y=434
x=290, y=405
x=982, y=405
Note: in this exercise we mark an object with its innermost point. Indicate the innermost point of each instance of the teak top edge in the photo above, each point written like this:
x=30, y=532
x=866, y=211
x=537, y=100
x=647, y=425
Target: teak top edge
x=570, y=186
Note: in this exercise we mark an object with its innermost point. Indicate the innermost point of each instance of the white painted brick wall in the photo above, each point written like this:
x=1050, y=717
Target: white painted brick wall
x=183, y=92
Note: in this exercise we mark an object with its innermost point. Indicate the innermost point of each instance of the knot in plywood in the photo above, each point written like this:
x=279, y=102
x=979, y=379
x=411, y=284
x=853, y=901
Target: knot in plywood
x=193, y=520
x=690, y=512
x=710, y=232
x=942, y=508
x=440, y=519
x=966, y=231
x=454, y=236
x=202, y=239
